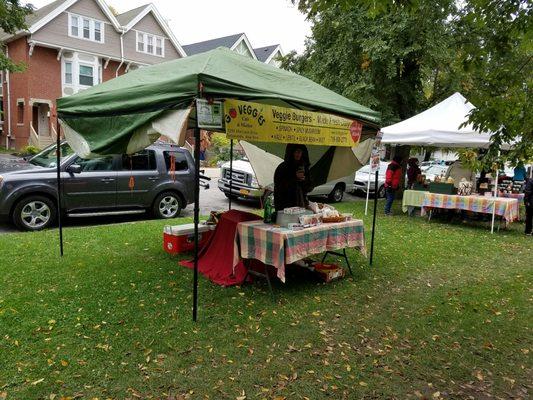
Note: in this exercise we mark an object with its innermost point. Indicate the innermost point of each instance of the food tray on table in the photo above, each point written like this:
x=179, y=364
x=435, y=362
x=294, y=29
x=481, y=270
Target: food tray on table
x=340, y=218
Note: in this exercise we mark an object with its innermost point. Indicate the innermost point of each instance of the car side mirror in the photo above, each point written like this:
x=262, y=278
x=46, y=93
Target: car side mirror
x=74, y=169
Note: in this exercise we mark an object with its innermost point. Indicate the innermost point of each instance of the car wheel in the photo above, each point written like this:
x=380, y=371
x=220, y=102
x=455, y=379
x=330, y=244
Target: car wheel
x=167, y=205
x=34, y=213
x=381, y=191
x=336, y=194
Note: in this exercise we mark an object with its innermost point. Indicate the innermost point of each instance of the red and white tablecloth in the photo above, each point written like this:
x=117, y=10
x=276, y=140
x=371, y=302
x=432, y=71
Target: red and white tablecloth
x=280, y=246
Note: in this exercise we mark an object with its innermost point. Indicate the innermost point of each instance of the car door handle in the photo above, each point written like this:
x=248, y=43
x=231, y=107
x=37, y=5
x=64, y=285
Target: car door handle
x=106, y=180
x=153, y=178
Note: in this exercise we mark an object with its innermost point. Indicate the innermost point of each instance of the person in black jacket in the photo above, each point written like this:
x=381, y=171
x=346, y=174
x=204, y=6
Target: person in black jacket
x=291, y=179
x=528, y=202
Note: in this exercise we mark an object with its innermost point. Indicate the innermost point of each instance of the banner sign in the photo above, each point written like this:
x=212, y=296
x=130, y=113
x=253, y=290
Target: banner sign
x=374, y=157
x=255, y=122
x=209, y=114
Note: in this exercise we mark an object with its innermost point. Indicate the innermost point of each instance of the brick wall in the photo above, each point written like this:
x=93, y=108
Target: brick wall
x=44, y=79
x=40, y=81
x=19, y=89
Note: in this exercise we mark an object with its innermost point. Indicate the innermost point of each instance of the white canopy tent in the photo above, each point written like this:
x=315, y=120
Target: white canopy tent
x=441, y=126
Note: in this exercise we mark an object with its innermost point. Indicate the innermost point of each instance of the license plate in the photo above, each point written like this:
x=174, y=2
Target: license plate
x=244, y=191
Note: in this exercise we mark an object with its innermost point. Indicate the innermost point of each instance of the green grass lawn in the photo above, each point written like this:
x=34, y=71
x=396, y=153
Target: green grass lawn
x=445, y=312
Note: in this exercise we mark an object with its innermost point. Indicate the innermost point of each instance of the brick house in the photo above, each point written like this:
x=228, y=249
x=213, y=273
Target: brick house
x=71, y=45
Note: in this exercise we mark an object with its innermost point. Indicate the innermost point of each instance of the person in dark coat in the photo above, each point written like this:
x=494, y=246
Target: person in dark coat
x=393, y=177
x=413, y=171
x=528, y=202
x=291, y=179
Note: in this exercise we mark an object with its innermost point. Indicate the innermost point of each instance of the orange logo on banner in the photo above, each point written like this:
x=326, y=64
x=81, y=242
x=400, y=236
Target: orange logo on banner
x=355, y=130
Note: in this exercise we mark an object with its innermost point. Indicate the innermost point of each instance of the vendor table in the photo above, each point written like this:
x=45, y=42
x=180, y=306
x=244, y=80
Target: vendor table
x=519, y=196
x=412, y=198
x=506, y=208
x=278, y=246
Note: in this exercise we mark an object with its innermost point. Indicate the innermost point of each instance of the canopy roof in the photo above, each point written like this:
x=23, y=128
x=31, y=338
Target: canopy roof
x=121, y=113
x=438, y=126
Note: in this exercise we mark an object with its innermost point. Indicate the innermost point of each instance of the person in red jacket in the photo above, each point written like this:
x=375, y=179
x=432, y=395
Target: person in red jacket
x=393, y=178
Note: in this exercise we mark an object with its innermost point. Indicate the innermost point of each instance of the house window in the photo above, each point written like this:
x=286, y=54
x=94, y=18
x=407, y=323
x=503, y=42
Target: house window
x=159, y=46
x=86, y=77
x=80, y=71
x=74, y=26
x=20, y=112
x=86, y=28
x=98, y=31
x=150, y=44
x=140, y=42
x=68, y=72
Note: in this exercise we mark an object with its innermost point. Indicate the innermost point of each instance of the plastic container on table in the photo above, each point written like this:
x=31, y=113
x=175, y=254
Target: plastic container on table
x=180, y=238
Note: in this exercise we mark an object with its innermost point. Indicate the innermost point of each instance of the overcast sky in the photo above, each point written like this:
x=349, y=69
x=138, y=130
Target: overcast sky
x=265, y=22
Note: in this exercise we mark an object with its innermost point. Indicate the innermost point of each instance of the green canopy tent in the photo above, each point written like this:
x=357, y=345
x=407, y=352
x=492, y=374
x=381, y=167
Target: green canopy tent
x=130, y=112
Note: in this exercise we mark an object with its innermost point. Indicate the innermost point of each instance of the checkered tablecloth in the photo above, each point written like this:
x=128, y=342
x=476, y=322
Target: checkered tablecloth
x=279, y=246
x=505, y=207
x=519, y=196
x=412, y=198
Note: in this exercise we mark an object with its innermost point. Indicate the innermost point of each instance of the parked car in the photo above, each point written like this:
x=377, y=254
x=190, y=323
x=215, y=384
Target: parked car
x=361, y=179
x=245, y=184
x=111, y=185
x=434, y=170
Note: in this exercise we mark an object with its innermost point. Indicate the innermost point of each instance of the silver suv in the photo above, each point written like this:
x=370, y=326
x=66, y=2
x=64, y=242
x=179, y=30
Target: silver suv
x=159, y=179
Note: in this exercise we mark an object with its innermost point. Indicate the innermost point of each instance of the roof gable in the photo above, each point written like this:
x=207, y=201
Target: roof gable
x=211, y=44
x=267, y=53
x=47, y=13
x=231, y=42
x=131, y=18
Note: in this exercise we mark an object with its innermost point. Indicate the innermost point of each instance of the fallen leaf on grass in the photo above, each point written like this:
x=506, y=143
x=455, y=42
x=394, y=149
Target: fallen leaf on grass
x=37, y=381
x=479, y=375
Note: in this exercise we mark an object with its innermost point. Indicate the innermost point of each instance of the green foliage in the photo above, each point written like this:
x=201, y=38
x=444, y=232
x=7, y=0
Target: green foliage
x=12, y=19
x=220, y=148
x=497, y=43
x=400, y=57
x=30, y=150
x=382, y=60
x=445, y=309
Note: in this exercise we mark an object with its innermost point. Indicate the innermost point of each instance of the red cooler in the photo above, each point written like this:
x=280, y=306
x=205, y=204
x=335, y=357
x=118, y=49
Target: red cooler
x=180, y=238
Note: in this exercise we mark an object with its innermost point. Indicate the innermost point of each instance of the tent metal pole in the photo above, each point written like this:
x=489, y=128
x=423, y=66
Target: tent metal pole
x=368, y=186
x=495, y=194
x=230, y=172
x=58, y=165
x=374, y=219
x=196, y=219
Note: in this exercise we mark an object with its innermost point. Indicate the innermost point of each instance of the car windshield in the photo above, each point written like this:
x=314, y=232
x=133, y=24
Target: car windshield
x=436, y=170
x=48, y=158
x=382, y=168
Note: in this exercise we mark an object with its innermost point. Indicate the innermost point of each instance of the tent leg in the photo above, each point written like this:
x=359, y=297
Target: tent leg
x=58, y=162
x=368, y=188
x=196, y=220
x=230, y=172
x=374, y=219
x=495, y=196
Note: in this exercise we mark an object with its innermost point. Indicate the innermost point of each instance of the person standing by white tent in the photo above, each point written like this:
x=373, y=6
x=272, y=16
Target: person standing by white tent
x=393, y=177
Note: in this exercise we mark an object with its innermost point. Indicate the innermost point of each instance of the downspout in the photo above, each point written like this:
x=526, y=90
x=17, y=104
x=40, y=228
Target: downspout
x=8, y=90
x=121, y=52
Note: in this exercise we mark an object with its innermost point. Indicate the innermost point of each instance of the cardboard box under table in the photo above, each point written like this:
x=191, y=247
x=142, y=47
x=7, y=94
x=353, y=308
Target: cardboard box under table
x=180, y=238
